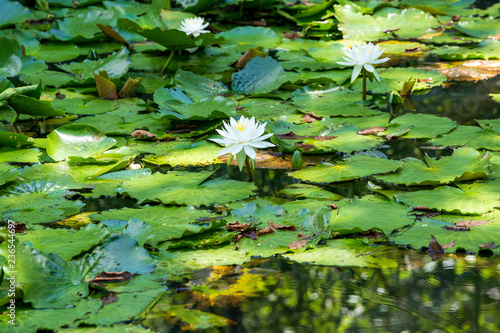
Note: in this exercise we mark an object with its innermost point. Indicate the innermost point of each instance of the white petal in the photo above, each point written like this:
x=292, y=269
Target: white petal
x=355, y=72
x=376, y=75
x=379, y=61
x=261, y=144
x=369, y=67
x=250, y=151
x=236, y=148
x=225, y=151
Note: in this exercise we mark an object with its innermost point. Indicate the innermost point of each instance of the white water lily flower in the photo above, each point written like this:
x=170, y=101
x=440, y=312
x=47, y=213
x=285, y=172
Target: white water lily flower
x=363, y=55
x=241, y=137
x=194, y=26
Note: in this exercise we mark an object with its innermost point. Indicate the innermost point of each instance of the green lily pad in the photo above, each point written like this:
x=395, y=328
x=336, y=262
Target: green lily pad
x=177, y=187
x=10, y=60
x=32, y=106
x=13, y=12
x=260, y=75
x=47, y=280
x=82, y=27
x=474, y=199
x=121, y=253
x=198, y=87
x=479, y=27
x=353, y=167
x=320, y=138
x=405, y=23
x=393, y=79
x=8, y=173
x=185, y=153
x=55, y=52
x=11, y=154
x=77, y=140
x=464, y=164
x=487, y=49
x=242, y=38
x=471, y=136
x=330, y=101
x=14, y=139
x=419, y=235
x=368, y=213
x=344, y=252
x=67, y=243
x=167, y=222
x=421, y=126
x=309, y=192
x=116, y=65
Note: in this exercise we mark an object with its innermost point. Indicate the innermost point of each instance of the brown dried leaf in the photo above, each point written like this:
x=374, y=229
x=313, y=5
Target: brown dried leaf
x=490, y=245
x=447, y=246
x=109, y=298
x=324, y=138
x=297, y=244
x=305, y=147
x=413, y=49
x=372, y=130
x=424, y=209
x=469, y=224
x=142, y=134
x=288, y=136
x=456, y=228
x=434, y=245
x=107, y=277
x=60, y=96
x=236, y=226
x=333, y=206
x=311, y=117
x=247, y=56
x=291, y=35
x=391, y=30
x=111, y=33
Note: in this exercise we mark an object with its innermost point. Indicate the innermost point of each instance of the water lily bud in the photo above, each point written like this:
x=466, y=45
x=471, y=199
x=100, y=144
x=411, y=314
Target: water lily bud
x=297, y=160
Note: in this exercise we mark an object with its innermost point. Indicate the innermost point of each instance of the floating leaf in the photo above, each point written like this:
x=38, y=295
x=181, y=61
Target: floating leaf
x=241, y=38
x=471, y=136
x=13, y=12
x=420, y=125
x=32, y=106
x=479, y=27
x=8, y=173
x=260, y=75
x=476, y=198
x=356, y=166
x=464, y=164
x=77, y=140
x=179, y=187
x=186, y=153
x=369, y=213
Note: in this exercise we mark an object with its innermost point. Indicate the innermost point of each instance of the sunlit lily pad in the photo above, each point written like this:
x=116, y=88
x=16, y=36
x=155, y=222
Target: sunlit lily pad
x=309, y=192
x=476, y=198
x=471, y=136
x=488, y=27
x=464, y=164
x=421, y=126
x=166, y=222
x=487, y=49
x=419, y=234
x=384, y=24
x=177, y=187
x=11, y=154
x=353, y=167
x=369, y=213
x=77, y=140
x=82, y=27
x=186, y=153
x=242, y=38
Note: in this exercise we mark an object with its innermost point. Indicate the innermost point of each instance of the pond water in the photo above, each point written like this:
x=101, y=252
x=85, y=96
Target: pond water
x=449, y=295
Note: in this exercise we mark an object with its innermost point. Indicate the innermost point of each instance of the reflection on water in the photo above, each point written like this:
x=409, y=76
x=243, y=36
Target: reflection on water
x=449, y=295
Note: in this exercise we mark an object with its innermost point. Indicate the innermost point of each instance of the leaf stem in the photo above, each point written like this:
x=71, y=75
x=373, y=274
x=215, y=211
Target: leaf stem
x=16, y=117
x=169, y=60
x=249, y=169
x=364, y=85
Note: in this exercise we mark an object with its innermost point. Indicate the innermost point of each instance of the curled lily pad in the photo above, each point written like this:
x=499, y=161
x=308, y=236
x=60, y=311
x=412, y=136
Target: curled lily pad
x=77, y=140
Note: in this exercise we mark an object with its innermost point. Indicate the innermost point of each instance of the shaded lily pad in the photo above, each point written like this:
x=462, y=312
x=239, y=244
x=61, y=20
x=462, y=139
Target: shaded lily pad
x=353, y=167
x=487, y=49
x=49, y=281
x=177, y=187
x=13, y=12
x=464, y=164
x=198, y=87
x=260, y=75
x=82, y=27
x=55, y=52
x=8, y=173
x=309, y=192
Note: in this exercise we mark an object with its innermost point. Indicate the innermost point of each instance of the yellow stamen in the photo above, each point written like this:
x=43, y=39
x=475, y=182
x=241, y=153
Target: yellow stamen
x=239, y=126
